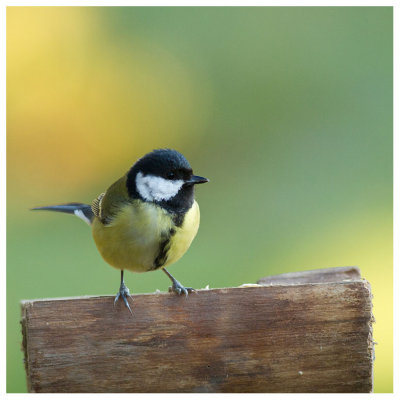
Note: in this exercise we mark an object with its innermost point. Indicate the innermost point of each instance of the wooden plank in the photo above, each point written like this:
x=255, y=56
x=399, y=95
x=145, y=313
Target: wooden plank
x=294, y=338
x=336, y=274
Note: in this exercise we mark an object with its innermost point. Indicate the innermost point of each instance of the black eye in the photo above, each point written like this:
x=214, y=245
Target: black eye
x=171, y=175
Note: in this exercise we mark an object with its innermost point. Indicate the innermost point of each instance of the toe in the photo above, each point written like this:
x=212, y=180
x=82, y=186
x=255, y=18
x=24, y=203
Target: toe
x=178, y=290
x=127, y=304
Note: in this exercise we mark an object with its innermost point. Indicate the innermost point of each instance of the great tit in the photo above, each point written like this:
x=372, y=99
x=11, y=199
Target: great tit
x=147, y=219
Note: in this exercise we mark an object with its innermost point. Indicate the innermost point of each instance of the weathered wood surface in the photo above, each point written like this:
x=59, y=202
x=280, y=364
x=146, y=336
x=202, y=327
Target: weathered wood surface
x=313, y=276
x=286, y=338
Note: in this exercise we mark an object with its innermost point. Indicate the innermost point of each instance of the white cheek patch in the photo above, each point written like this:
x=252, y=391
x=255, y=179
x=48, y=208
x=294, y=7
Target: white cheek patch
x=155, y=188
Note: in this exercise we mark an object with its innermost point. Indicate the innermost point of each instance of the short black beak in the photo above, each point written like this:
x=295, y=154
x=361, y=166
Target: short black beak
x=196, y=179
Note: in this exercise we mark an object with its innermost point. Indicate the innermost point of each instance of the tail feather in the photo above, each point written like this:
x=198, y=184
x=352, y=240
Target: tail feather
x=82, y=211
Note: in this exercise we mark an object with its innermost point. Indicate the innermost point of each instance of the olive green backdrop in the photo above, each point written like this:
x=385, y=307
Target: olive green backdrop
x=288, y=112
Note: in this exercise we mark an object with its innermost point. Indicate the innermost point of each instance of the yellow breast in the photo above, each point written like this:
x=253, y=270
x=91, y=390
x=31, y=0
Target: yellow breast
x=132, y=240
x=184, y=235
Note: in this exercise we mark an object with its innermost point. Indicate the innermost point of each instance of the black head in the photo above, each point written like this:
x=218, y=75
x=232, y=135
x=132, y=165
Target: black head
x=164, y=177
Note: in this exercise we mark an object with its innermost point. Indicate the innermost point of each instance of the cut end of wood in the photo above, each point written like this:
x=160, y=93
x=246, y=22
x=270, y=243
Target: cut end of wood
x=287, y=337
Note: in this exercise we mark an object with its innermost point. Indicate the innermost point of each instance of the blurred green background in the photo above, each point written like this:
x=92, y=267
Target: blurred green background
x=288, y=111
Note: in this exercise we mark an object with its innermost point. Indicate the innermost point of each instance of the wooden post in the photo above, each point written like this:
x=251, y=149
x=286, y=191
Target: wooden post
x=289, y=336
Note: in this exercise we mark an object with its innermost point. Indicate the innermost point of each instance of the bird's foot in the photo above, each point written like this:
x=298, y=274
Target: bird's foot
x=123, y=293
x=179, y=289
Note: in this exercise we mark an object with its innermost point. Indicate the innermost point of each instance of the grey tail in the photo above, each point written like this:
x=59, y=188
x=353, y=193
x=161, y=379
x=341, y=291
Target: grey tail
x=82, y=211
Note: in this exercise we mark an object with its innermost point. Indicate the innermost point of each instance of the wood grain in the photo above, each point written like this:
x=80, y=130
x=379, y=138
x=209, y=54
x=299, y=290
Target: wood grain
x=294, y=338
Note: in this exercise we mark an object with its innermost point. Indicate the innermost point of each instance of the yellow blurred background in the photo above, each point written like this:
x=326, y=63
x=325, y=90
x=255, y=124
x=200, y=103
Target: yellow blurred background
x=288, y=111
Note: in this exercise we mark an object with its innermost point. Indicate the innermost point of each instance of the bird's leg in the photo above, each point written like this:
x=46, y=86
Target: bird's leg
x=123, y=292
x=177, y=287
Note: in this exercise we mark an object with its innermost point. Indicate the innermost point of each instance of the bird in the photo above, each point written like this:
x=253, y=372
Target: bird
x=147, y=219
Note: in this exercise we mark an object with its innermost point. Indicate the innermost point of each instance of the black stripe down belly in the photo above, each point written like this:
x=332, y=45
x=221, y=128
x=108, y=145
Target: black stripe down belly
x=165, y=244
